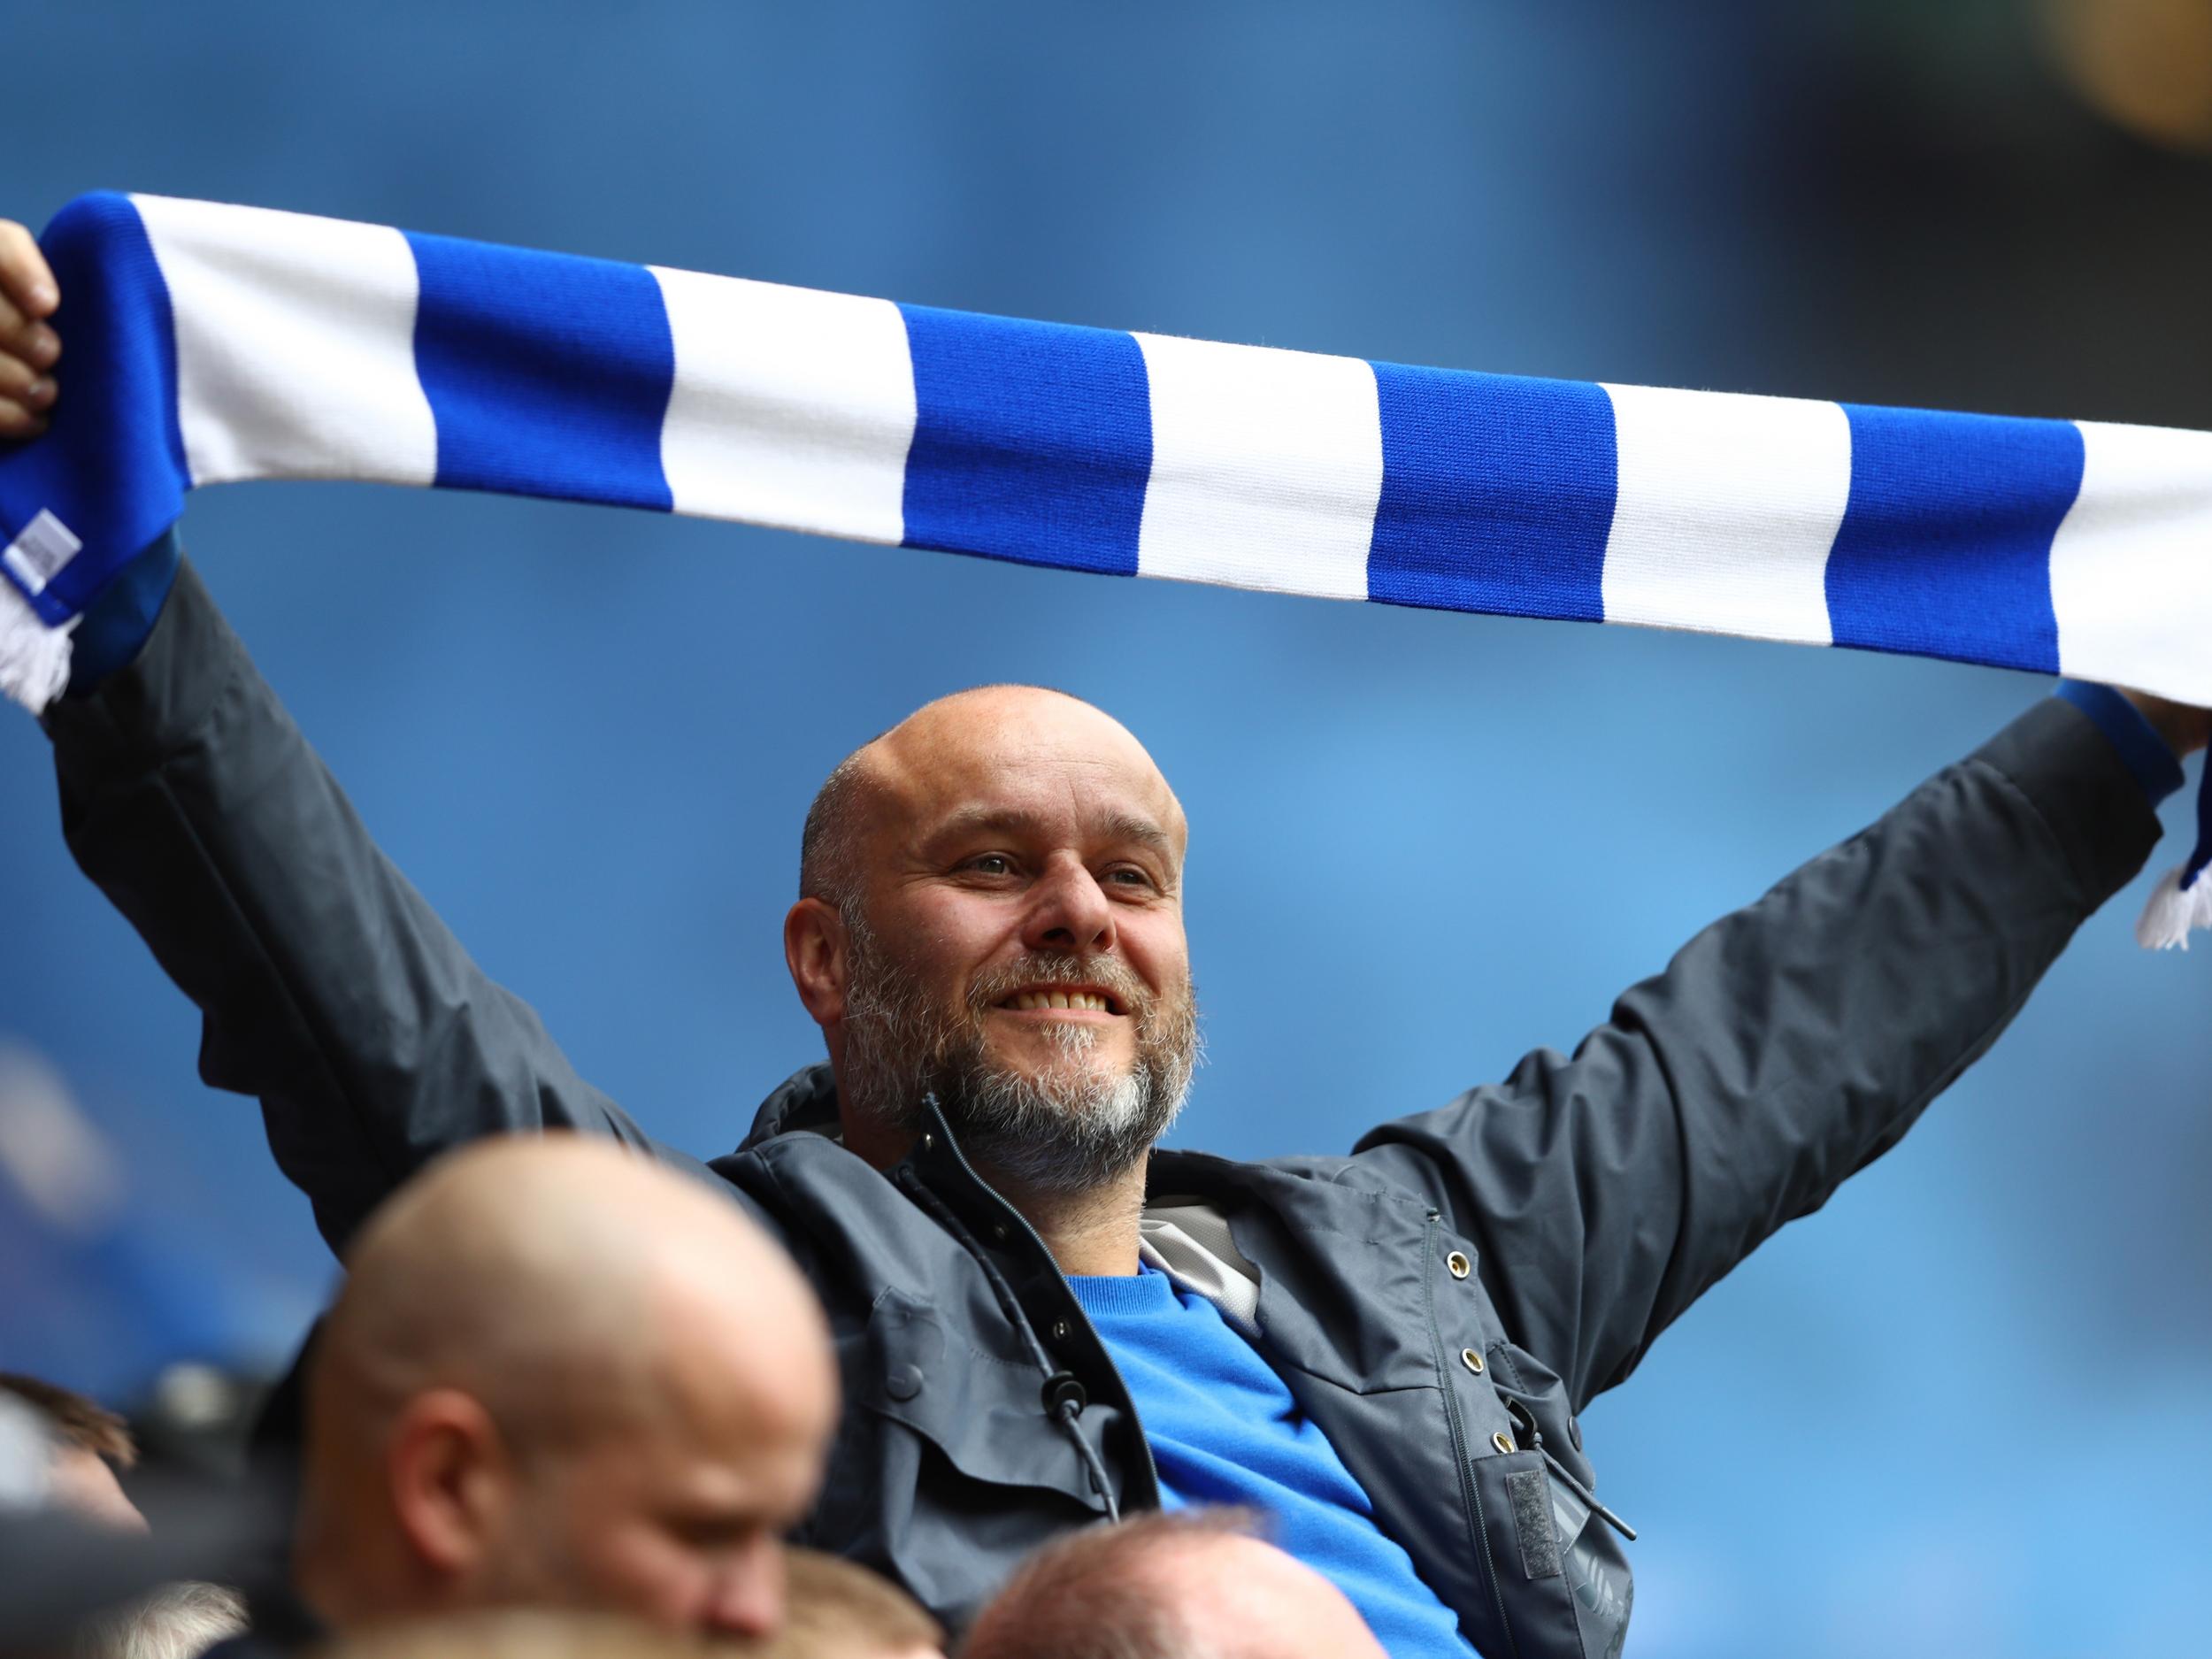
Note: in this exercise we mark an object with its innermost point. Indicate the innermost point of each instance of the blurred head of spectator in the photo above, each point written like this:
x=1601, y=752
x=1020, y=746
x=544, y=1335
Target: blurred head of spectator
x=522, y=1633
x=838, y=1611
x=177, y=1621
x=1193, y=1584
x=836, y=1608
x=561, y=1375
x=86, y=1444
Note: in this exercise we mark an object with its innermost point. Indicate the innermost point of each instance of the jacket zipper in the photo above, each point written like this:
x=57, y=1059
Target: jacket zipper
x=1470, y=1499
x=1144, y=1442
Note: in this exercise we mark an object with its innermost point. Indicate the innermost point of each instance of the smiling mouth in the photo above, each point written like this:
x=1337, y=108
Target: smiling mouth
x=1053, y=999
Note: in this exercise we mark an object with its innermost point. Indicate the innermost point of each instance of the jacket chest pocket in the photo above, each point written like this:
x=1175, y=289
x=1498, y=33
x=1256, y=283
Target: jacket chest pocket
x=946, y=1468
x=1564, y=1583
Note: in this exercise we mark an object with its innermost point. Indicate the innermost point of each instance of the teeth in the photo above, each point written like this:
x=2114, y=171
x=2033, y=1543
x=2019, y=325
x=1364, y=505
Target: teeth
x=1030, y=1002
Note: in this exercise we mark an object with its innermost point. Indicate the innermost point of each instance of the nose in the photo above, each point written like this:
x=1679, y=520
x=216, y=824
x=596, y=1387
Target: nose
x=1069, y=910
x=748, y=1596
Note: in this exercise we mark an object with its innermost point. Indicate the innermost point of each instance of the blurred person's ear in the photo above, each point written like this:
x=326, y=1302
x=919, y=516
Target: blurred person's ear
x=451, y=1481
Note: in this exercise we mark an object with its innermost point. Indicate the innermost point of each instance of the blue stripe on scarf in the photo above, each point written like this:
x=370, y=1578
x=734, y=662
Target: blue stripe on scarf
x=1944, y=546
x=547, y=375
x=1497, y=493
x=1032, y=441
x=120, y=485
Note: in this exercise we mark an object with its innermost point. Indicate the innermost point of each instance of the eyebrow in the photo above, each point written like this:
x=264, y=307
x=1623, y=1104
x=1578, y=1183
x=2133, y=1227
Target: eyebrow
x=1119, y=827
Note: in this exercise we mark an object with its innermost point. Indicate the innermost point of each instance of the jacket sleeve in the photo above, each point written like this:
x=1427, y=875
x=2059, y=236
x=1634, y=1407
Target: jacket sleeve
x=1783, y=1050
x=329, y=988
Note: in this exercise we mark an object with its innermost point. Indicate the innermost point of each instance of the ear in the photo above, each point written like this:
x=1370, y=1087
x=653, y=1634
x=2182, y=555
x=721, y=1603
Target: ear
x=814, y=950
x=451, y=1482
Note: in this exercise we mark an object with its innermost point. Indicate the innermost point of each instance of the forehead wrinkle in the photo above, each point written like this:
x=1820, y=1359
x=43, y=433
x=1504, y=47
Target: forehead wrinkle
x=1115, y=825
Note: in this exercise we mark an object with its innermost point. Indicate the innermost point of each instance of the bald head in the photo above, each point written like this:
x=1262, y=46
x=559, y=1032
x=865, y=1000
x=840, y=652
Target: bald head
x=555, y=1278
x=970, y=735
x=992, y=918
x=1193, y=1584
x=530, y=1308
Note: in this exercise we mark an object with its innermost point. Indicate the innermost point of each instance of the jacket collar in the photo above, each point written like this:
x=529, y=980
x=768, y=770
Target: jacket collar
x=805, y=1100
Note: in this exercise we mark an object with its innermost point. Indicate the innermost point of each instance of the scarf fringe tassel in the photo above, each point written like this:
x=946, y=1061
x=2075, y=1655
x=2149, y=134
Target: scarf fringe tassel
x=2175, y=910
x=33, y=658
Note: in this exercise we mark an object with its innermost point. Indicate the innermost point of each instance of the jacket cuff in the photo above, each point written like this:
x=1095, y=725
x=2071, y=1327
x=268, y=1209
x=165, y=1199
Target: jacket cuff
x=2154, y=764
x=158, y=702
x=2083, y=789
x=113, y=628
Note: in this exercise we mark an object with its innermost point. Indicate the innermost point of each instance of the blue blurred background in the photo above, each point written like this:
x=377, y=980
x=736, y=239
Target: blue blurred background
x=1424, y=844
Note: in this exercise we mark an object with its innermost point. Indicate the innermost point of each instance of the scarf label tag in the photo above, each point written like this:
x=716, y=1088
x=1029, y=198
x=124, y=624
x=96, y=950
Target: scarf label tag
x=37, y=555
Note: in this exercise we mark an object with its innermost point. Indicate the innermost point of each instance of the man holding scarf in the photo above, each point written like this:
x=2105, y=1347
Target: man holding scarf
x=1042, y=1319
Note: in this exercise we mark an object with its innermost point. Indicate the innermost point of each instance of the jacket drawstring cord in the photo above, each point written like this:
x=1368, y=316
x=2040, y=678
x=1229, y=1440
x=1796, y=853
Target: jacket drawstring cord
x=1062, y=1411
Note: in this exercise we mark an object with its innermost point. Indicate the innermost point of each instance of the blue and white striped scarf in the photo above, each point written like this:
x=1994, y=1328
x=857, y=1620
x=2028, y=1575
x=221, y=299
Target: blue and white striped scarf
x=210, y=344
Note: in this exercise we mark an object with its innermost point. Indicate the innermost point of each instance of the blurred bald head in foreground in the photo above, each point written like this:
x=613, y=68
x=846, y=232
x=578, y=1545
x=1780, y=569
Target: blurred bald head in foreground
x=562, y=1375
x=1195, y=1584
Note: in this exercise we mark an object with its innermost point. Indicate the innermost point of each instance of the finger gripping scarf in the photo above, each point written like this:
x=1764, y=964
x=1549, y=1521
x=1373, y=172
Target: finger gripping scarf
x=210, y=344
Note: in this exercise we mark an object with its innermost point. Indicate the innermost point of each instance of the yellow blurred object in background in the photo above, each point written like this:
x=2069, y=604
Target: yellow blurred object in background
x=2144, y=65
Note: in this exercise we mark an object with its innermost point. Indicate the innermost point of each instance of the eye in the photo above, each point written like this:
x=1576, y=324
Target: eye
x=713, y=1532
x=991, y=864
x=1128, y=876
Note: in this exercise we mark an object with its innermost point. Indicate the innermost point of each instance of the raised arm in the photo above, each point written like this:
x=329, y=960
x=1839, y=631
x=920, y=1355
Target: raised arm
x=330, y=989
x=1783, y=1049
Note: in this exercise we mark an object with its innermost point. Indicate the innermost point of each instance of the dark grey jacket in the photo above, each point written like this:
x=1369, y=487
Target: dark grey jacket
x=1595, y=1196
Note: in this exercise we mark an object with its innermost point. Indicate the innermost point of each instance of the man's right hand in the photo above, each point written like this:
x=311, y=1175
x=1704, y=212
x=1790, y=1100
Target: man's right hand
x=30, y=347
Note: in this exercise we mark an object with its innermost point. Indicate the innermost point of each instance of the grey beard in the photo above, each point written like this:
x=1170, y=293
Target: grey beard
x=1070, y=1132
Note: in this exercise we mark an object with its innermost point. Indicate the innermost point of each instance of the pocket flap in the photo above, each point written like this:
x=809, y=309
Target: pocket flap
x=985, y=1416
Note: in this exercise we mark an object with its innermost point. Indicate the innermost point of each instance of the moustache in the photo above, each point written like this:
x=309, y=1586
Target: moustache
x=1109, y=975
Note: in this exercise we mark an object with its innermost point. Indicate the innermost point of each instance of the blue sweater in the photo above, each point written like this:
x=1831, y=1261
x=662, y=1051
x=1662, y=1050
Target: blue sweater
x=1223, y=1429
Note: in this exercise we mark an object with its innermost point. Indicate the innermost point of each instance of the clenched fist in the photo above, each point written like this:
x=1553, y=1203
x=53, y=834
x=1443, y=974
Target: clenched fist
x=28, y=346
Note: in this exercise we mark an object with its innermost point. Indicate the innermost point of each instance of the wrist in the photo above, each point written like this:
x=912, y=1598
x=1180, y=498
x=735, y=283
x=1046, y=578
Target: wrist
x=2185, y=729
